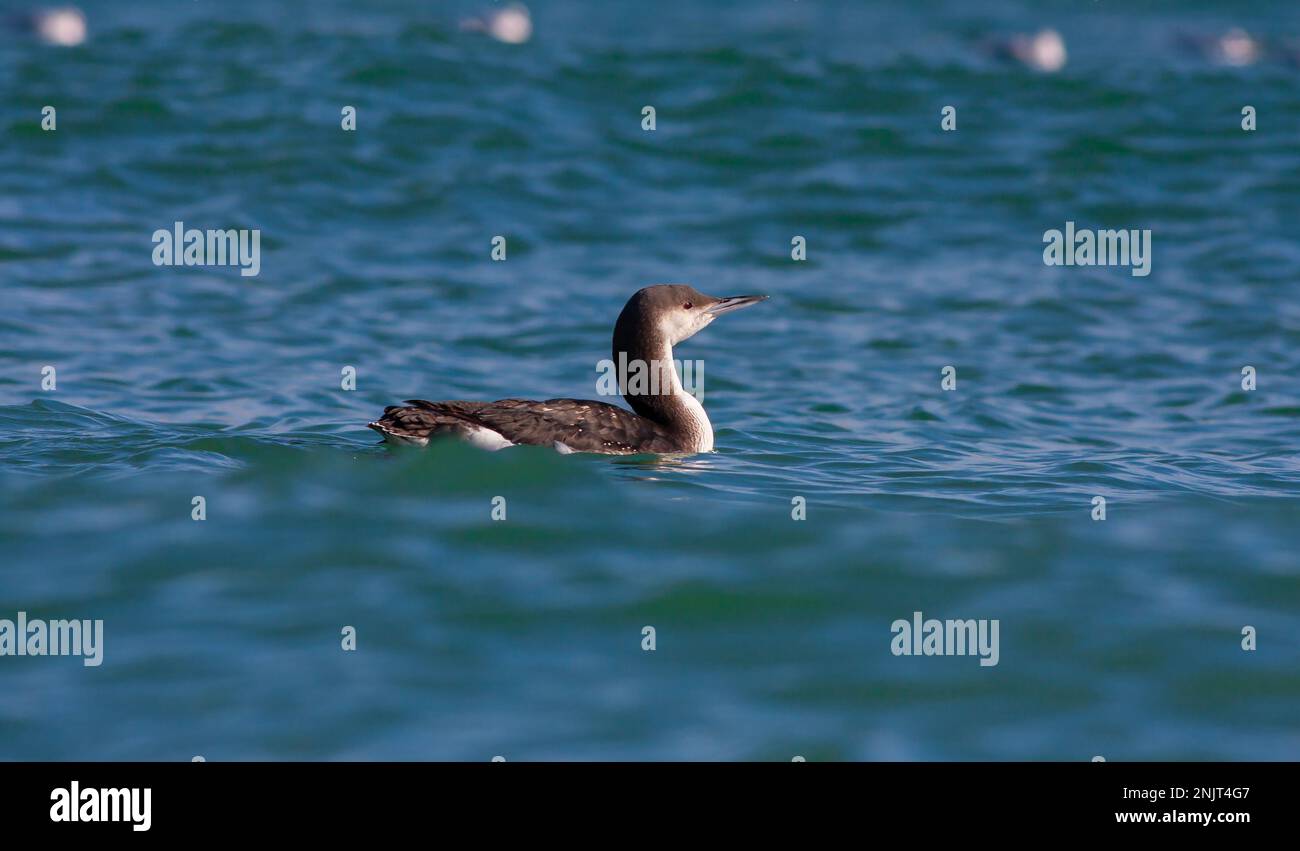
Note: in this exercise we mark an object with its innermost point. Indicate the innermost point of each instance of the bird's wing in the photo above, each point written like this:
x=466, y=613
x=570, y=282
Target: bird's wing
x=579, y=424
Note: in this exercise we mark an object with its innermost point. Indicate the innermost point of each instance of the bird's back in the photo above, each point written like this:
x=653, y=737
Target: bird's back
x=576, y=425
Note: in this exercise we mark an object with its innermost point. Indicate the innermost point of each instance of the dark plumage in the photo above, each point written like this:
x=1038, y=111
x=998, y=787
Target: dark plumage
x=666, y=420
x=581, y=425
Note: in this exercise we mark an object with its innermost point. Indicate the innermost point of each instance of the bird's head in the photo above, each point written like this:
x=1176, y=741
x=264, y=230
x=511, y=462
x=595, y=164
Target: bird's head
x=676, y=312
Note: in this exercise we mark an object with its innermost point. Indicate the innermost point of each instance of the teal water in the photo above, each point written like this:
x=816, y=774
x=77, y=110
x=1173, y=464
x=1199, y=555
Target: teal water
x=523, y=637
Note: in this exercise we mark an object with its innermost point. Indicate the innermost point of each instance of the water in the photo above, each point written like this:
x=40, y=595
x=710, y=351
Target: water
x=522, y=637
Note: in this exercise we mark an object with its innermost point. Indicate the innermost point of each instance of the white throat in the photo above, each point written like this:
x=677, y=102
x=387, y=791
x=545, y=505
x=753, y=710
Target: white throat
x=688, y=408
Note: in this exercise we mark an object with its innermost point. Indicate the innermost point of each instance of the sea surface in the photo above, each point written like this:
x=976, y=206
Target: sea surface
x=524, y=637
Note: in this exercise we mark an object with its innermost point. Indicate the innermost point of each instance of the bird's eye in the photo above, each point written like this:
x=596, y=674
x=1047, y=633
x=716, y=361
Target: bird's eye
x=688, y=305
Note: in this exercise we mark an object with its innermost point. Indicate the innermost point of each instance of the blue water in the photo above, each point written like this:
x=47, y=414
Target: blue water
x=522, y=637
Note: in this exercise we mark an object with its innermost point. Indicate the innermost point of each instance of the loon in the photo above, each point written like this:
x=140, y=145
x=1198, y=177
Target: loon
x=667, y=421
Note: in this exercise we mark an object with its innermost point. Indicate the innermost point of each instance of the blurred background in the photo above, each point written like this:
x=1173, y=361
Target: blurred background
x=774, y=118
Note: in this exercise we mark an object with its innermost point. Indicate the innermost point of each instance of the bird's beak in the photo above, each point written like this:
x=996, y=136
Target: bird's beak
x=733, y=302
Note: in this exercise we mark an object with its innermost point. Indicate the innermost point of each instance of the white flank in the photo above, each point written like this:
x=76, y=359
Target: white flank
x=486, y=438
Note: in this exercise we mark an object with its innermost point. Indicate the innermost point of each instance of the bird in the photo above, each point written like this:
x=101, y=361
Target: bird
x=62, y=27
x=1043, y=51
x=511, y=25
x=1235, y=48
x=665, y=419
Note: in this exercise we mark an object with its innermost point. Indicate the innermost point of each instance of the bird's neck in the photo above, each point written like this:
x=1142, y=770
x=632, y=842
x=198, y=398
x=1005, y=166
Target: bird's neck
x=654, y=390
